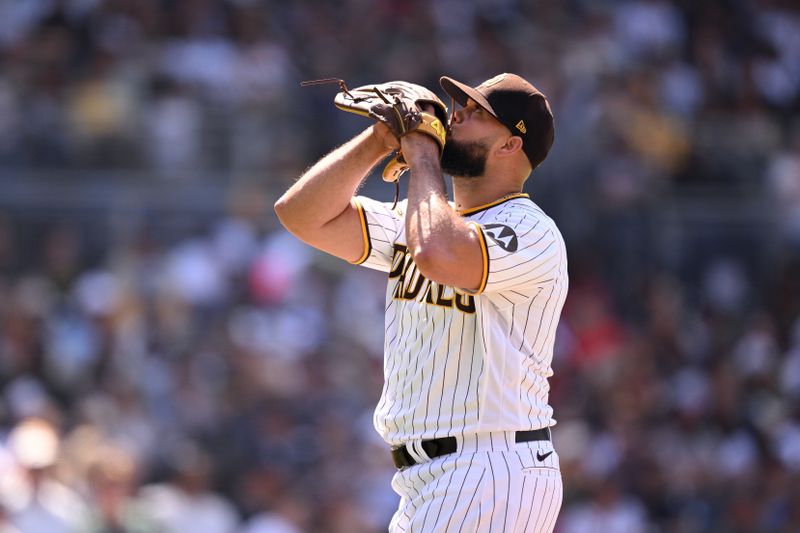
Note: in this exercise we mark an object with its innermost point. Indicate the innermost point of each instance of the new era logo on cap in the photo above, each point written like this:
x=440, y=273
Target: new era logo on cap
x=494, y=81
x=517, y=104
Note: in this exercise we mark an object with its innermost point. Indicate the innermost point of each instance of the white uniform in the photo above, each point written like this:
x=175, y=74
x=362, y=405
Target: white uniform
x=473, y=366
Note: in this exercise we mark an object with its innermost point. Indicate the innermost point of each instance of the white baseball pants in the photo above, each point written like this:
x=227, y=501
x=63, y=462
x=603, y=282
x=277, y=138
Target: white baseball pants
x=491, y=485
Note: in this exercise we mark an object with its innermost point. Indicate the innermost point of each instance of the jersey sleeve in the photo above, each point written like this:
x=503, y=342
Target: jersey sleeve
x=521, y=250
x=380, y=226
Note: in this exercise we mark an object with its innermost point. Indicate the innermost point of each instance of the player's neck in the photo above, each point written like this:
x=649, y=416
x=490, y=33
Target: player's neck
x=473, y=192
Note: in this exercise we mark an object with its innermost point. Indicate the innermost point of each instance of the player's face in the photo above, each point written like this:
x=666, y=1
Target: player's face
x=470, y=138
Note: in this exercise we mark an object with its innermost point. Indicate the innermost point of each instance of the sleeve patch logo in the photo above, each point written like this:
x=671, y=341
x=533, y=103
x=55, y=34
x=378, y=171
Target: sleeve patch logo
x=503, y=236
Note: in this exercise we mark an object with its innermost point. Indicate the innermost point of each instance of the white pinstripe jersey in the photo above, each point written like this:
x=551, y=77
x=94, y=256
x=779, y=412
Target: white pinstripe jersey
x=458, y=362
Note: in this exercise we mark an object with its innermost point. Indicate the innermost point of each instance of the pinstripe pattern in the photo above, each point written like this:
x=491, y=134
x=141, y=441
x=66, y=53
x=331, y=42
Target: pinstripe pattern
x=502, y=488
x=472, y=366
x=439, y=379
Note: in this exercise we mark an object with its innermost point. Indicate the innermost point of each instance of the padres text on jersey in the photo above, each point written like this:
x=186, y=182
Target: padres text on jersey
x=459, y=362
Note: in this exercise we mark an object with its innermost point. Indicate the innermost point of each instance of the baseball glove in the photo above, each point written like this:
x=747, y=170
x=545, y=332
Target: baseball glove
x=398, y=105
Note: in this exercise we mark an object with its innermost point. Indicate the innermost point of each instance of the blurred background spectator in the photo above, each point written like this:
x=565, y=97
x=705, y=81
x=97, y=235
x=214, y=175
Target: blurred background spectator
x=171, y=360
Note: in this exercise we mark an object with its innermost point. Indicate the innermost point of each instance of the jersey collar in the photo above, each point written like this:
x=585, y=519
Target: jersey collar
x=473, y=210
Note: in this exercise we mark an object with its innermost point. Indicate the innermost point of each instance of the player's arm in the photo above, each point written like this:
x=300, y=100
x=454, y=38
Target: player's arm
x=318, y=209
x=445, y=248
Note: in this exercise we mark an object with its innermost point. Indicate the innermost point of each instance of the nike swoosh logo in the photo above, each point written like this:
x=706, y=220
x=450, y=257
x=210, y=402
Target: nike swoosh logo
x=540, y=457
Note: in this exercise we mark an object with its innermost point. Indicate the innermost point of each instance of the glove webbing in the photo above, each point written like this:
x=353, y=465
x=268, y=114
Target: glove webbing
x=343, y=88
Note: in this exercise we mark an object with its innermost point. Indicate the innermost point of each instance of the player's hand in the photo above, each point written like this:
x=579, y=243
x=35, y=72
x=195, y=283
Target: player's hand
x=386, y=136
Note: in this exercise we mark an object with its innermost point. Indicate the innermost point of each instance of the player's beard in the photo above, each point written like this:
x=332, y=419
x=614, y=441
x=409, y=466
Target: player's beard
x=464, y=159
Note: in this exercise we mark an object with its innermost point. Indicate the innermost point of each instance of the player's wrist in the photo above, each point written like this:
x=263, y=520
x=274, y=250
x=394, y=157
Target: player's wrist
x=417, y=145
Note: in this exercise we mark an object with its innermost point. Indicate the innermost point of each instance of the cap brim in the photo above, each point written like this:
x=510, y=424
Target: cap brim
x=461, y=92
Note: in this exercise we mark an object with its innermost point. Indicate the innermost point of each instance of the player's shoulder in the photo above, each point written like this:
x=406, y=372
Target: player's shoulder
x=514, y=209
x=518, y=218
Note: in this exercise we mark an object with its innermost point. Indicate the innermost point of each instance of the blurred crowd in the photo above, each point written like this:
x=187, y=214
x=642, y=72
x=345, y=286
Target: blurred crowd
x=211, y=385
x=222, y=379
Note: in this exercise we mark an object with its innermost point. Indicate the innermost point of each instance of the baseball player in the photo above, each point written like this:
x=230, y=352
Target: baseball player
x=475, y=291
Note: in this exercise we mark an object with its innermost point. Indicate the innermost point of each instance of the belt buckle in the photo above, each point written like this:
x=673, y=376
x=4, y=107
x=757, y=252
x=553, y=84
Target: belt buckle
x=413, y=453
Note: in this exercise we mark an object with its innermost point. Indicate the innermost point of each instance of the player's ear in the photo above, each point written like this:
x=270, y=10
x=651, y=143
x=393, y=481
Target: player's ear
x=511, y=146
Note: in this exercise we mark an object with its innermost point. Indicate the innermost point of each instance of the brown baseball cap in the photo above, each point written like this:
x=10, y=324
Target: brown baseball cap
x=517, y=104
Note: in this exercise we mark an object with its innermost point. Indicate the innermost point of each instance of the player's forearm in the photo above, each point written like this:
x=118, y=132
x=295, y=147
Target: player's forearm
x=434, y=230
x=324, y=191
